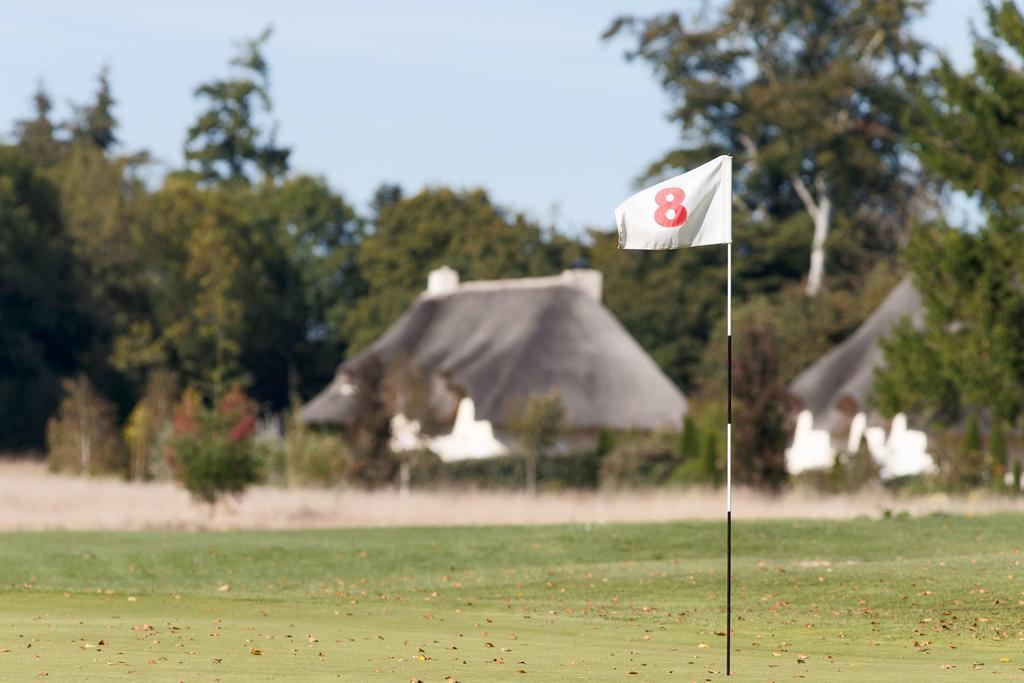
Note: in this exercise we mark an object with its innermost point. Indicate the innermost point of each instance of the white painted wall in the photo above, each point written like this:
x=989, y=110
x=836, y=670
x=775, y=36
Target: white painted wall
x=902, y=452
x=469, y=439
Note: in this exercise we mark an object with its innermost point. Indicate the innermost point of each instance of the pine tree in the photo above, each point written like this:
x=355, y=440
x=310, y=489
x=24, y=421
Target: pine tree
x=95, y=123
x=227, y=143
x=37, y=137
x=968, y=355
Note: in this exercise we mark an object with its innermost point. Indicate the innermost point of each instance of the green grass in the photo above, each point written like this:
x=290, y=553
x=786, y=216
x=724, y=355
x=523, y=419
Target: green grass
x=895, y=599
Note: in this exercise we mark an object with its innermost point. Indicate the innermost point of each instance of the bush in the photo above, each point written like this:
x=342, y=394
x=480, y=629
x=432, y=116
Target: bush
x=314, y=458
x=150, y=425
x=211, y=451
x=649, y=462
x=537, y=421
x=83, y=437
x=700, y=457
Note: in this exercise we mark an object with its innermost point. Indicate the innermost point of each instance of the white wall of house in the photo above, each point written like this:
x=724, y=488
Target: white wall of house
x=900, y=452
x=469, y=439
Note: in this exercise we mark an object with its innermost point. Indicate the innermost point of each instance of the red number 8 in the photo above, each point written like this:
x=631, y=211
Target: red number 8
x=670, y=199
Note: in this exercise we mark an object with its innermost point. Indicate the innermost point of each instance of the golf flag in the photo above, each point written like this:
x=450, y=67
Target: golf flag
x=689, y=210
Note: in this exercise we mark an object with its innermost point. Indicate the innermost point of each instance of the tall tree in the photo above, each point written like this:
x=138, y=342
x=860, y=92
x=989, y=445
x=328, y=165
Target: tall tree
x=437, y=227
x=37, y=137
x=810, y=97
x=227, y=142
x=42, y=325
x=969, y=356
x=94, y=123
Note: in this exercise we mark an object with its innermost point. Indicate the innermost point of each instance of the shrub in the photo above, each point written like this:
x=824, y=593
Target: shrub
x=648, y=462
x=211, y=451
x=997, y=449
x=537, y=421
x=149, y=425
x=699, y=454
x=852, y=471
x=82, y=438
x=314, y=458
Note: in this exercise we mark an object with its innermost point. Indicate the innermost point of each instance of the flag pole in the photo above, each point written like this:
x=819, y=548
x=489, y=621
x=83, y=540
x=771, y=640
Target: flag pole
x=728, y=467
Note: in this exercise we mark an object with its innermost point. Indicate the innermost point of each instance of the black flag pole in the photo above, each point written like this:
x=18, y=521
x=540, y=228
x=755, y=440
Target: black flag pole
x=728, y=468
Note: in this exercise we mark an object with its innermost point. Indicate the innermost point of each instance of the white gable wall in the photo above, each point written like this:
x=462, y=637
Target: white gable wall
x=902, y=452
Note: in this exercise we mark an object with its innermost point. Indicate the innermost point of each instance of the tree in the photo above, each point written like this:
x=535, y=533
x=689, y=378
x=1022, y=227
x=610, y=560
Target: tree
x=372, y=462
x=95, y=123
x=537, y=422
x=309, y=243
x=226, y=143
x=104, y=204
x=43, y=325
x=82, y=438
x=674, y=301
x=211, y=450
x=811, y=98
x=37, y=137
x=967, y=356
x=437, y=227
x=759, y=433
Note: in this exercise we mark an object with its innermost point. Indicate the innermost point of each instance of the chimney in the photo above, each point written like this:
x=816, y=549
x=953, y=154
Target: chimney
x=587, y=280
x=441, y=281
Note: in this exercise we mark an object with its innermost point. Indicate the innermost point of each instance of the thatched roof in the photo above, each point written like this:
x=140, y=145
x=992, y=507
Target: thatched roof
x=511, y=338
x=845, y=374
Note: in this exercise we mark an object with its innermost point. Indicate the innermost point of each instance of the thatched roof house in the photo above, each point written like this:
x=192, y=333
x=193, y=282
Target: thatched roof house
x=838, y=385
x=493, y=341
x=834, y=394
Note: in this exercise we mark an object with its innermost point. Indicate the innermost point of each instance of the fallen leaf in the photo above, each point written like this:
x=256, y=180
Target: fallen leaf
x=256, y=652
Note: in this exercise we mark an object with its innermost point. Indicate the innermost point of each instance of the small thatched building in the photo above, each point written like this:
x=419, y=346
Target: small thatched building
x=834, y=395
x=490, y=342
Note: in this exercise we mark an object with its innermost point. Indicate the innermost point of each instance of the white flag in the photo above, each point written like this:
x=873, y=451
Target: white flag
x=690, y=210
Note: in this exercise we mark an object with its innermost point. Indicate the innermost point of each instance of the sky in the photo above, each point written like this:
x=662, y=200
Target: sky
x=522, y=98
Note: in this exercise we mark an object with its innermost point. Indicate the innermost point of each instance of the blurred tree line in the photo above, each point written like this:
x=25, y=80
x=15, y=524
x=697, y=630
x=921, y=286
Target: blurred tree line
x=234, y=271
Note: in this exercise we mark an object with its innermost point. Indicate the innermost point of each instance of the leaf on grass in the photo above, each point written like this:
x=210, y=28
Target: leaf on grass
x=256, y=652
